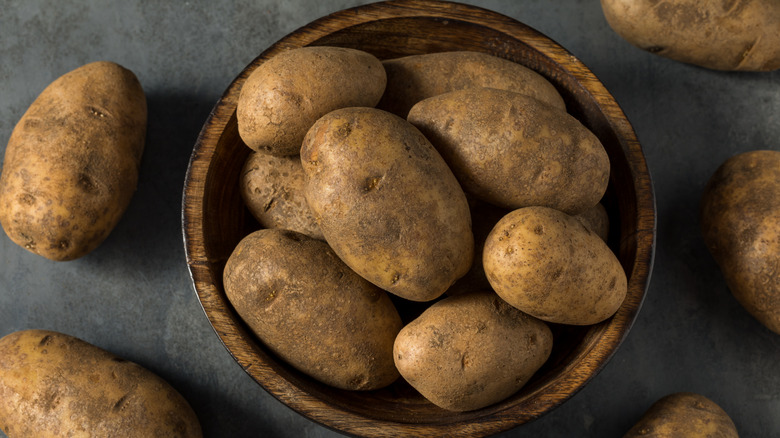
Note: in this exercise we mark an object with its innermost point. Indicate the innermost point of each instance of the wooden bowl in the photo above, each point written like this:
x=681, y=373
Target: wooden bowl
x=215, y=219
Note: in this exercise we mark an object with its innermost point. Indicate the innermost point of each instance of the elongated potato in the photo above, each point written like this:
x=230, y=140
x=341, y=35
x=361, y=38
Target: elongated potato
x=55, y=385
x=684, y=414
x=310, y=309
x=717, y=34
x=411, y=79
x=71, y=164
x=470, y=351
x=387, y=203
x=272, y=189
x=740, y=222
x=514, y=151
x=549, y=265
x=285, y=95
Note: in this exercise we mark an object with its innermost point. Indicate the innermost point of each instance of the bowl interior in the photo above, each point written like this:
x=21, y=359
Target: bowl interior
x=215, y=220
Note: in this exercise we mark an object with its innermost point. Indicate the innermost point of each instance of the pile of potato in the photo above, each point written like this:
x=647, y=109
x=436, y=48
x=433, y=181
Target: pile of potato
x=365, y=176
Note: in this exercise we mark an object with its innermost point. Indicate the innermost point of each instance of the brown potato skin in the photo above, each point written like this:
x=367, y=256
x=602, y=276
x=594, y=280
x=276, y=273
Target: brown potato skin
x=549, y=265
x=311, y=310
x=739, y=221
x=285, y=95
x=71, y=164
x=470, y=351
x=684, y=414
x=514, y=151
x=273, y=190
x=411, y=79
x=55, y=385
x=716, y=34
x=387, y=203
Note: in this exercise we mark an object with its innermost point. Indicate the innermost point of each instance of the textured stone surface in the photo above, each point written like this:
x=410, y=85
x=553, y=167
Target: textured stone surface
x=133, y=295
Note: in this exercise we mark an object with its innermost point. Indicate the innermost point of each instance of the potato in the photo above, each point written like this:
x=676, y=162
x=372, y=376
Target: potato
x=285, y=95
x=684, y=415
x=71, y=164
x=55, y=385
x=513, y=151
x=470, y=351
x=387, y=203
x=596, y=220
x=414, y=78
x=549, y=265
x=272, y=189
x=739, y=215
x=312, y=311
x=721, y=35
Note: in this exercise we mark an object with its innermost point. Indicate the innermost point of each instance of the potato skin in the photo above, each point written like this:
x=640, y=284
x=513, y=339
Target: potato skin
x=273, y=190
x=720, y=35
x=514, y=151
x=470, y=351
x=71, y=164
x=311, y=310
x=411, y=79
x=684, y=414
x=285, y=95
x=739, y=221
x=387, y=203
x=549, y=265
x=54, y=385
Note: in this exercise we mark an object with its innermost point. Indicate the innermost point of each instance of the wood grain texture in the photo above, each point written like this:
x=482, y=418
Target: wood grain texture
x=214, y=220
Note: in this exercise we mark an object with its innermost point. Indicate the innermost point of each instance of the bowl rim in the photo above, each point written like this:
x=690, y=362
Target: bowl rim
x=576, y=375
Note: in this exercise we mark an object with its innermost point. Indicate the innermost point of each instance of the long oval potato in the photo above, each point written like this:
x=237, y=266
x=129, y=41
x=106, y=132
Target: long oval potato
x=311, y=310
x=71, y=164
x=721, y=35
x=411, y=79
x=514, y=151
x=470, y=351
x=387, y=203
x=740, y=223
x=549, y=265
x=684, y=414
x=55, y=385
x=285, y=95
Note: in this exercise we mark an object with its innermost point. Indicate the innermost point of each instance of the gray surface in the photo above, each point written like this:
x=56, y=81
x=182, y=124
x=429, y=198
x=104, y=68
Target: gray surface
x=133, y=296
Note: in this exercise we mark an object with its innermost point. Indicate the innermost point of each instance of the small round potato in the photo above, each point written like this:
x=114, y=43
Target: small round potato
x=549, y=265
x=686, y=415
x=311, y=310
x=55, y=385
x=272, y=189
x=470, y=351
x=411, y=79
x=286, y=94
x=387, y=203
x=71, y=164
x=721, y=35
x=740, y=222
x=514, y=151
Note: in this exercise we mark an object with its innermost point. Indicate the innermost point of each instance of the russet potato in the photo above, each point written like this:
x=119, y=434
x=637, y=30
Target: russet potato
x=71, y=164
x=387, y=203
x=312, y=311
x=56, y=385
x=549, y=265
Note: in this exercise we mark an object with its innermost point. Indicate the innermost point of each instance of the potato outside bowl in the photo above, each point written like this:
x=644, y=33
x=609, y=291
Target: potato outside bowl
x=214, y=220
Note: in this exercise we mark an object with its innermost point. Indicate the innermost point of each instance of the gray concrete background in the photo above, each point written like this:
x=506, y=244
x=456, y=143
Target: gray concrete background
x=133, y=295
